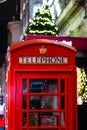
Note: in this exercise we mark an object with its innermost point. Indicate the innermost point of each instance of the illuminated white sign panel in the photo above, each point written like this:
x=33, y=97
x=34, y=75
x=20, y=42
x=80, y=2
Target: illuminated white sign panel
x=42, y=60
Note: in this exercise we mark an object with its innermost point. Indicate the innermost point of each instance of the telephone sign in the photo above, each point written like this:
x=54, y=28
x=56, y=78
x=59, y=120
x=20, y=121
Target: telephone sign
x=42, y=60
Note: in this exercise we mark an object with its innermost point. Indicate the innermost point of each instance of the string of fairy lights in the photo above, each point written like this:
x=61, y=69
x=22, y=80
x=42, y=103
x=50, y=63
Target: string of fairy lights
x=43, y=23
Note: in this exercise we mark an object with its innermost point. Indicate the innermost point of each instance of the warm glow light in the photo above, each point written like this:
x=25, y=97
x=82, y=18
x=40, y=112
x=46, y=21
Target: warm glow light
x=79, y=100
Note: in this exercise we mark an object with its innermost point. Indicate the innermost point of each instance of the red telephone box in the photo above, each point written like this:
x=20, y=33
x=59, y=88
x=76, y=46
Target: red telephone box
x=41, y=86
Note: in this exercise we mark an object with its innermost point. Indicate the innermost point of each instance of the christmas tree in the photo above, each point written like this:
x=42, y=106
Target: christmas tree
x=43, y=24
x=82, y=90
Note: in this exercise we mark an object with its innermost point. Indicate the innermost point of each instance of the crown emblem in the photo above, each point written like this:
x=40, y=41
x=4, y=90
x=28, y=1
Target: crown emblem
x=43, y=50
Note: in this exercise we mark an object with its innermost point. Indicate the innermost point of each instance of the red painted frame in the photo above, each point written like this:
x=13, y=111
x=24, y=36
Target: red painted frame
x=31, y=48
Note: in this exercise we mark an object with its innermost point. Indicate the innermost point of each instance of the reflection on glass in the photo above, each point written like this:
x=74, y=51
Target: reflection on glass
x=24, y=102
x=43, y=119
x=62, y=85
x=35, y=102
x=43, y=102
x=48, y=120
x=49, y=85
x=24, y=87
x=62, y=118
x=24, y=119
x=62, y=102
x=49, y=102
x=34, y=119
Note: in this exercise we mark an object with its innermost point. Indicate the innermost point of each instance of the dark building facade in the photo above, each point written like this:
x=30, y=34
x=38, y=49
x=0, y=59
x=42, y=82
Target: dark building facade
x=7, y=11
x=11, y=10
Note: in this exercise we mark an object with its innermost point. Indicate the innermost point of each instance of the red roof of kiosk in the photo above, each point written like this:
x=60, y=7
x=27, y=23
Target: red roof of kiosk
x=77, y=42
x=39, y=41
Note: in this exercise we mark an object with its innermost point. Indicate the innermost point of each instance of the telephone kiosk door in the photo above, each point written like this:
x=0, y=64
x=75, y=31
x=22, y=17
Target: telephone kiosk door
x=42, y=102
x=41, y=92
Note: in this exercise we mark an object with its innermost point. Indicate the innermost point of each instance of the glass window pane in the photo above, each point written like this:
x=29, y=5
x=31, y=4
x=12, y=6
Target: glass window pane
x=48, y=121
x=24, y=102
x=44, y=102
x=62, y=102
x=35, y=102
x=62, y=85
x=24, y=85
x=41, y=85
x=43, y=119
x=34, y=119
x=62, y=118
x=49, y=102
x=24, y=119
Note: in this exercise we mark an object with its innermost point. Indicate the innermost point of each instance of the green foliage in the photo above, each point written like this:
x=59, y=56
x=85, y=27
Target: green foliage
x=43, y=24
x=82, y=90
